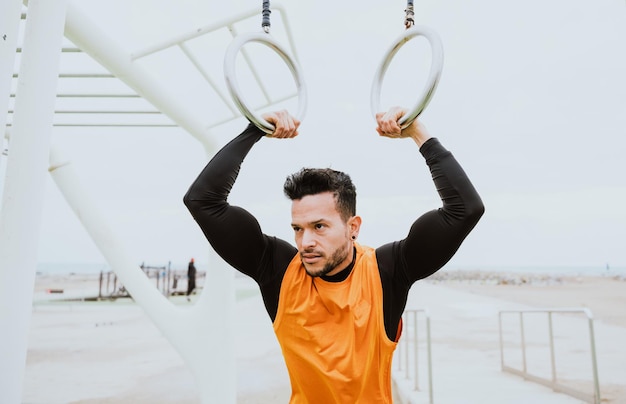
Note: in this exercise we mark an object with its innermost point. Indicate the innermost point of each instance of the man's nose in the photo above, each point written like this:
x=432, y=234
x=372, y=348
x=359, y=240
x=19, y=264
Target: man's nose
x=308, y=239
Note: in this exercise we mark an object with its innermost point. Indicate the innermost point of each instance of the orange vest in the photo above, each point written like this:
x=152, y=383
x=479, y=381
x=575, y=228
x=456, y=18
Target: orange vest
x=332, y=335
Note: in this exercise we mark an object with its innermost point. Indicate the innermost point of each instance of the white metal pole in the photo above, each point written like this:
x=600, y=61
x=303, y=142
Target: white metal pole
x=219, y=292
x=20, y=217
x=201, y=333
x=10, y=11
x=210, y=351
x=3, y=153
x=214, y=368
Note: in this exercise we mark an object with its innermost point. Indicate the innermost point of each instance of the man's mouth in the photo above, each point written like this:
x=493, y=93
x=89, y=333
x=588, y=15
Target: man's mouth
x=310, y=257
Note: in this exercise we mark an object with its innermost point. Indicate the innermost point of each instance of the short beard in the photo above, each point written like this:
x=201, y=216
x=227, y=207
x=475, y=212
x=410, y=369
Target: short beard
x=337, y=257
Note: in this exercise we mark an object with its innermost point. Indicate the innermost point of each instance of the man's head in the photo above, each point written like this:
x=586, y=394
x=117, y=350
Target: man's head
x=312, y=181
x=324, y=218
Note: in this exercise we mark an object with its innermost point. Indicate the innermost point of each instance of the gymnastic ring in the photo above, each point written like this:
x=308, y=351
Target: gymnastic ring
x=233, y=86
x=433, y=77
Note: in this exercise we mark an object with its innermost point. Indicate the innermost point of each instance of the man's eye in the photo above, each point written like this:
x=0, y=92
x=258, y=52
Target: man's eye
x=319, y=226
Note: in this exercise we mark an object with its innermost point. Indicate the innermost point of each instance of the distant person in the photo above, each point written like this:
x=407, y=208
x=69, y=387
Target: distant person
x=335, y=304
x=191, y=278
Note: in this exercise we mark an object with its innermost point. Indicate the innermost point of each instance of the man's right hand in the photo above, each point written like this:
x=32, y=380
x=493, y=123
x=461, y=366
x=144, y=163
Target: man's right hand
x=286, y=126
x=388, y=126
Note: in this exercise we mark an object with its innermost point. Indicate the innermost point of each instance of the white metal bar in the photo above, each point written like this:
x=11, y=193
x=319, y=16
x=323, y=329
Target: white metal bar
x=63, y=50
x=278, y=100
x=95, y=96
x=501, y=340
x=86, y=36
x=399, y=349
x=98, y=96
x=20, y=218
x=591, y=398
x=430, y=359
x=594, y=360
x=80, y=76
x=10, y=11
x=219, y=24
x=523, y=340
x=180, y=41
x=404, y=349
x=112, y=112
x=9, y=21
x=192, y=58
x=202, y=333
x=116, y=125
x=86, y=76
x=572, y=310
x=552, y=353
x=416, y=385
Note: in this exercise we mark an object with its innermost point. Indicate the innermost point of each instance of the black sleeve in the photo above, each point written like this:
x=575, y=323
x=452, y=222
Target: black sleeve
x=232, y=231
x=434, y=237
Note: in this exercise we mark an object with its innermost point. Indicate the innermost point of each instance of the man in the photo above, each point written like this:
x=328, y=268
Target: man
x=191, y=278
x=336, y=306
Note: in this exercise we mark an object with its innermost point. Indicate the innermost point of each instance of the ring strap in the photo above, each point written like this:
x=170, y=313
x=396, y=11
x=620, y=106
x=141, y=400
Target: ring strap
x=265, y=24
x=408, y=19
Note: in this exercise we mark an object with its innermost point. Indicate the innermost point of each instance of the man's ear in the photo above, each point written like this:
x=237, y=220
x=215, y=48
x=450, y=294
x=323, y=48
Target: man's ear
x=354, y=225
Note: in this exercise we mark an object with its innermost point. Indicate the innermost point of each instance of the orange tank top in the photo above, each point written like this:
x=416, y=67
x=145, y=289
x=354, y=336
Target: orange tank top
x=332, y=335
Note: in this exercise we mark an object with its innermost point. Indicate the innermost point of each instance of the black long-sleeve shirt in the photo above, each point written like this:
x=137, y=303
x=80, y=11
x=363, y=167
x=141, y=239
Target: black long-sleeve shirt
x=237, y=236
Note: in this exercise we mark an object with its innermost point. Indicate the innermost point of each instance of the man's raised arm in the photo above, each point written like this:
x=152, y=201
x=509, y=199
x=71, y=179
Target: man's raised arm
x=231, y=229
x=436, y=235
x=228, y=228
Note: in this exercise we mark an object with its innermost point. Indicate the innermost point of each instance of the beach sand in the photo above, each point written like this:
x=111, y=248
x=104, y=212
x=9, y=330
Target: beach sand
x=464, y=308
x=605, y=296
x=110, y=352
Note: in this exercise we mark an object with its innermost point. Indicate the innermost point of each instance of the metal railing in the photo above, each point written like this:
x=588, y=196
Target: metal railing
x=553, y=382
x=407, y=353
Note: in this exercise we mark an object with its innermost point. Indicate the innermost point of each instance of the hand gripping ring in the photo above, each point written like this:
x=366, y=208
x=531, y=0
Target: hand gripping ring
x=233, y=86
x=433, y=77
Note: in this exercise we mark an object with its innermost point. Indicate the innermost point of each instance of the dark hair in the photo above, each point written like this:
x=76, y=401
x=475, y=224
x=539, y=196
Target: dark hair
x=313, y=181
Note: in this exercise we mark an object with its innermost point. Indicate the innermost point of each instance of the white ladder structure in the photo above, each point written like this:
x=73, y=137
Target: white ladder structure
x=205, y=345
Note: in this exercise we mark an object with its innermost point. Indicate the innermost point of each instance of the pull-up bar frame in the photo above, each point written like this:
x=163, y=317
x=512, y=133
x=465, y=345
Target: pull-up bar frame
x=229, y=23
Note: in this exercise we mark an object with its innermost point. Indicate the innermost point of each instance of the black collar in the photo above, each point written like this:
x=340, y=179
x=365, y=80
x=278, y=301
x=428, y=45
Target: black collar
x=343, y=274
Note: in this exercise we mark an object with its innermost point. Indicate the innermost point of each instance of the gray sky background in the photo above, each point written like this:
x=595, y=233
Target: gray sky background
x=532, y=102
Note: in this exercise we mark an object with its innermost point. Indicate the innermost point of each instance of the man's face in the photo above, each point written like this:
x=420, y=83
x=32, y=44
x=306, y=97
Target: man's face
x=323, y=238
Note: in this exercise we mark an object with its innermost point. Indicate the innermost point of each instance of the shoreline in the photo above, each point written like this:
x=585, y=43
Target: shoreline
x=604, y=295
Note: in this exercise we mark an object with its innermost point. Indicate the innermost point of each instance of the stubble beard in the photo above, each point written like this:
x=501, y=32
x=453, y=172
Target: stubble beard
x=337, y=257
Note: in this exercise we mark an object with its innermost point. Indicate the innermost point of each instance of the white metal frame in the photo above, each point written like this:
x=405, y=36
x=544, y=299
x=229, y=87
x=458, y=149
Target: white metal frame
x=202, y=334
x=180, y=41
x=23, y=188
x=553, y=383
x=407, y=354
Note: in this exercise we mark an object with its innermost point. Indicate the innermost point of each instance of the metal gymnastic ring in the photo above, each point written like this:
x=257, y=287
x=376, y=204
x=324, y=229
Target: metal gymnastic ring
x=433, y=77
x=233, y=86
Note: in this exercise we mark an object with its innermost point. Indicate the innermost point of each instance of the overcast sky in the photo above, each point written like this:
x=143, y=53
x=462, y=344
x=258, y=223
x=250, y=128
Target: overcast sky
x=532, y=102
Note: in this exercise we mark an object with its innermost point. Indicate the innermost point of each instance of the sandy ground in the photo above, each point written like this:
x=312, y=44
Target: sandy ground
x=110, y=352
x=605, y=296
x=465, y=329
